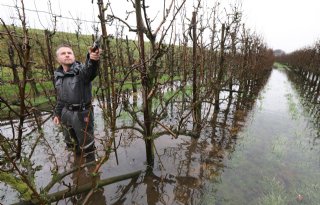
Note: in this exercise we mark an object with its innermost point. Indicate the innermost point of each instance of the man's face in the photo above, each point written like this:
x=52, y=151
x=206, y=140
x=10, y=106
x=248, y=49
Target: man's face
x=65, y=56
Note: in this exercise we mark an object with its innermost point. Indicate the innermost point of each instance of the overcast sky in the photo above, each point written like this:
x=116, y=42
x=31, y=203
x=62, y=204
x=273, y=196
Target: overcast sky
x=283, y=24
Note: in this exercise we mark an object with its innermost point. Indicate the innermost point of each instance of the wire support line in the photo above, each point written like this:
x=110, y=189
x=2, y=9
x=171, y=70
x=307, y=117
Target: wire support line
x=54, y=15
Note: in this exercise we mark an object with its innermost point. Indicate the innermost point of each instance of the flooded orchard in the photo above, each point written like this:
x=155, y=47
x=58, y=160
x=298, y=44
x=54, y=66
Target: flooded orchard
x=171, y=109
x=260, y=150
x=188, y=109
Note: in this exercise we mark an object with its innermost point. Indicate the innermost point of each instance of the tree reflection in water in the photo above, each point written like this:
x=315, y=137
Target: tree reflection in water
x=183, y=167
x=309, y=91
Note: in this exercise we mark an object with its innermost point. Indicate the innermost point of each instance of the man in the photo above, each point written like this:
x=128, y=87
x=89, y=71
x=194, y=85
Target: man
x=73, y=109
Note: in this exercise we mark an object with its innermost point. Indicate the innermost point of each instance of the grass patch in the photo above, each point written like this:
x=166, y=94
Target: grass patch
x=275, y=193
x=293, y=107
x=280, y=66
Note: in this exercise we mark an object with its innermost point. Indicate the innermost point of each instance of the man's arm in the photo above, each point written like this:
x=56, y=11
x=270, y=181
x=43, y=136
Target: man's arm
x=57, y=112
x=92, y=64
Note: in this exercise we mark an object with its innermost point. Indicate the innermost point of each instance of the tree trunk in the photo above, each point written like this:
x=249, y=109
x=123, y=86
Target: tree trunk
x=145, y=80
x=221, y=71
x=195, y=90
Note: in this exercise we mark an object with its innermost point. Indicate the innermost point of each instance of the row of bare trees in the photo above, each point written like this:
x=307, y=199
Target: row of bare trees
x=305, y=61
x=305, y=64
x=173, y=80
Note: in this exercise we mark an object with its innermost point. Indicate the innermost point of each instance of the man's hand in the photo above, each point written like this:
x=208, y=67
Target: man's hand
x=56, y=120
x=94, y=55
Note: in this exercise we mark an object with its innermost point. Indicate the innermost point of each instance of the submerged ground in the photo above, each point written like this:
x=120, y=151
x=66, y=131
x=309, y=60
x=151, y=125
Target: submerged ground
x=273, y=159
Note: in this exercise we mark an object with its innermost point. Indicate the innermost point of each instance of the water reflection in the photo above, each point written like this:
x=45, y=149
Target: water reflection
x=233, y=162
x=82, y=177
x=273, y=161
x=308, y=89
x=218, y=169
x=184, y=167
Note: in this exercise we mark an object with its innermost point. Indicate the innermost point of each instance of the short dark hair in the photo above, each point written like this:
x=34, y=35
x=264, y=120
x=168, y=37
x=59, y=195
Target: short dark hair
x=67, y=45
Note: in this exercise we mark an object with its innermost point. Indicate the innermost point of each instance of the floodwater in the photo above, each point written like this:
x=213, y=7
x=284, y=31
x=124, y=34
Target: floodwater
x=274, y=158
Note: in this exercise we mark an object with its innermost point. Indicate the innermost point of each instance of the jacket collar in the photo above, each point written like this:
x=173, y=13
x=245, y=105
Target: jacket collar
x=74, y=70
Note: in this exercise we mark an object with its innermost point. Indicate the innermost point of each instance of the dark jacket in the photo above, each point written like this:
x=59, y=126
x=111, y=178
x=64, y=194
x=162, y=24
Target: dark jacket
x=74, y=86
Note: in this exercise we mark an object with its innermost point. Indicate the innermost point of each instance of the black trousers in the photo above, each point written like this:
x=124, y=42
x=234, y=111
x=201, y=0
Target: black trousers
x=78, y=129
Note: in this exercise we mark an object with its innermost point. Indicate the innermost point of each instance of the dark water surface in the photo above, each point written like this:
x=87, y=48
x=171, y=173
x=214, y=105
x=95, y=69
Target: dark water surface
x=273, y=159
